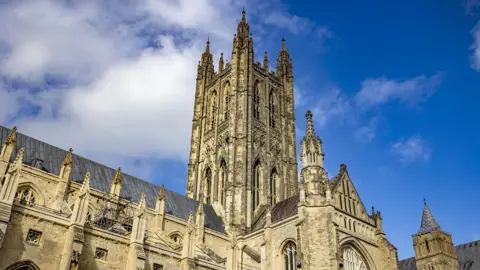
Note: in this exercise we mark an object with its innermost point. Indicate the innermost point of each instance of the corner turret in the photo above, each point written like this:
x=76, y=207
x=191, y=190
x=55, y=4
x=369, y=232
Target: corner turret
x=433, y=247
x=315, y=179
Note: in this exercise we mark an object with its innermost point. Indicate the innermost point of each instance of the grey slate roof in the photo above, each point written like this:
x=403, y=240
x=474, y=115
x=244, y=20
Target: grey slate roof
x=468, y=258
x=49, y=158
x=429, y=224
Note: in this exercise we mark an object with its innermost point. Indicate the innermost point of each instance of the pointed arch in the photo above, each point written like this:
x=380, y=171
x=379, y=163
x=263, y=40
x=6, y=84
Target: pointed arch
x=289, y=253
x=272, y=108
x=256, y=184
x=352, y=244
x=256, y=100
x=176, y=237
x=212, y=110
x=28, y=193
x=222, y=182
x=274, y=185
x=23, y=265
x=208, y=185
x=226, y=100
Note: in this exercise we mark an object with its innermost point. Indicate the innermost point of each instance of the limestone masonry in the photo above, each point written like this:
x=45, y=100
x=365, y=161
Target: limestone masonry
x=244, y=208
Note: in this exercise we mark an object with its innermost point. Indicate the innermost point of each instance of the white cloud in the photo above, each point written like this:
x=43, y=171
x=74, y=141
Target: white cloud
x=475, y=48
x=377, y=91
x=367, y=133
x=414, y=149
x=113, y=97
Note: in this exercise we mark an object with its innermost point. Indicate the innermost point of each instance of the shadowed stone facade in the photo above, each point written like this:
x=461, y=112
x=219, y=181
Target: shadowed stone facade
x=244, y=206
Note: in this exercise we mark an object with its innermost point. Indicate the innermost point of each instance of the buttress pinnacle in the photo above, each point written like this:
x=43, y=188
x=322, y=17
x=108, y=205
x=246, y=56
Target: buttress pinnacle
x=310, y=129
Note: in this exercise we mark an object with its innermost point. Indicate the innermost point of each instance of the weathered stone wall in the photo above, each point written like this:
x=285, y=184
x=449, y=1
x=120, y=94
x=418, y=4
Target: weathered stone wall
x=46, y=254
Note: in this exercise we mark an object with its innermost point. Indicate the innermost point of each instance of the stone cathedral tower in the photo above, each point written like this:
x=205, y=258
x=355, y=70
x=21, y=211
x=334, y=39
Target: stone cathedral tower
x=243, y=150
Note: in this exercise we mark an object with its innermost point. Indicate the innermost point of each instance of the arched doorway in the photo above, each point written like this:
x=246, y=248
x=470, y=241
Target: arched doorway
x=353, y=260
x=23, y=265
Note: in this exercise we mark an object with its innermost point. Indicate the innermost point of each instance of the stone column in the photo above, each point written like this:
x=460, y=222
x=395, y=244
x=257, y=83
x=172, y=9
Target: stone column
x=73, y=246
x=136, y=254
x=7, y=193
x=188, y=251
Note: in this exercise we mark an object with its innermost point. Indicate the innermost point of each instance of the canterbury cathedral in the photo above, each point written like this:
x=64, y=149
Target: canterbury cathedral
x=245, y=204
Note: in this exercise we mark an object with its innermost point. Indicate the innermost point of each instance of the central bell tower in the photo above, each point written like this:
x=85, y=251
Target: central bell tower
x=243, y=133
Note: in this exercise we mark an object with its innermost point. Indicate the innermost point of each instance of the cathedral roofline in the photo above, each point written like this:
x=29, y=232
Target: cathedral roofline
x=176, y=204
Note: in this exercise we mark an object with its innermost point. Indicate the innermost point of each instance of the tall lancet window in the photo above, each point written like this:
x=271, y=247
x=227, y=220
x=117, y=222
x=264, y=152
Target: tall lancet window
x=222, y=196
x=256, y=102
x=212, y=110
x=273, y=186
x=226, y=93
x=208, y=183
x=289, y=252
x=257, y=179
x=272, y=106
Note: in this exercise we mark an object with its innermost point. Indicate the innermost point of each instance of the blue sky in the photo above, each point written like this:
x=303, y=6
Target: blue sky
x=392, y=87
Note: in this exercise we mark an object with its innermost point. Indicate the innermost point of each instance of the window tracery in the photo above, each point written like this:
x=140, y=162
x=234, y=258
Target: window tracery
x=289, y=253
x=272, y=105
x=208, y=182
x=256, y=185
x=352, y=260
x=256, y=102
x=226, y=93
x=223, y=183
x=212, y=110
x=273, y=186
x=26, y=196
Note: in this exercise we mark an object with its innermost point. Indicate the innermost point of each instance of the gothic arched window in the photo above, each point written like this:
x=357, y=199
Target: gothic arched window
x=223, y=183
x=272, y=106
x=226, y=93
x=352, y=260
x=25, y=196
x=212, y=110
x=256, y=102
x=257, y=178
x=208, y=183
x=289, y=252
x=273, y=186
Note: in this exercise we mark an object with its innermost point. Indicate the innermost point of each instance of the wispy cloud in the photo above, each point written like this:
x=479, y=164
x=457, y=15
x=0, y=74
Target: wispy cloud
x=475, y=48
x=333, y=105
x=377, y=91
x=472, y=7
x=367, y=132
x=298, y=25
x=414, y=149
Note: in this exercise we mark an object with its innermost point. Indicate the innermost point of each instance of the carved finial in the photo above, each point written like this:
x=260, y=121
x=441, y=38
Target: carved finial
x=11, y=137
x=343, y=168
x=18, y=163
x=200, y=209
x=424, y=201
x=284, y=47
x=190, y=218
x=68, y=158
x=207, y=49
x=118, y=177
x=143, y=202
x=161, y=193
x=373, y=210
x=310, y=129
x=244, y=19
x=86, y=183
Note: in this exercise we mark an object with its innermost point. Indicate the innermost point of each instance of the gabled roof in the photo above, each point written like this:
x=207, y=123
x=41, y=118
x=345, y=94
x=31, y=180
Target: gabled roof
x=468, y=258
x=51, y=159
x=429, y=223
x=279, y=211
